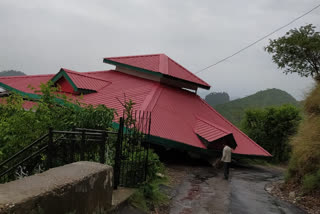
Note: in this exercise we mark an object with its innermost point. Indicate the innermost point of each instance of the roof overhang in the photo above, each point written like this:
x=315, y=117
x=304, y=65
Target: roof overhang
x=166, y=79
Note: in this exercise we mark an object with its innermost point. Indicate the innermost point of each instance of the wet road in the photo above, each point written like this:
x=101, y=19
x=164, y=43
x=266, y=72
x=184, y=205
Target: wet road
x=204, y=191
x=248, y=195
x=201, y=191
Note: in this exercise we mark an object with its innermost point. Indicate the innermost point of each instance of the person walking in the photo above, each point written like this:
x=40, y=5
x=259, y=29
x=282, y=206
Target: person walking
x=226, y=159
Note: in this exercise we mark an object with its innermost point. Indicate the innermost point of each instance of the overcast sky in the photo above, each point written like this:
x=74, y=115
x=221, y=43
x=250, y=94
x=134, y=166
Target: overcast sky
x=40, y=36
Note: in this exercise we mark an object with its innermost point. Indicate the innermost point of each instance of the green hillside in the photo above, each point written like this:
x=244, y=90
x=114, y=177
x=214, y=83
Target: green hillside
x=12, y=73
x=234, y=110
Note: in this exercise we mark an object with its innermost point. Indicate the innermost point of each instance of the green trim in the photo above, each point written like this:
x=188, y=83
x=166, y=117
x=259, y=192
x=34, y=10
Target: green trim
x=179, y=145
x=154, y=73
x=24, y=94
x=187, y=82
x=63, y=73
x=29, y=95
x=173, y=144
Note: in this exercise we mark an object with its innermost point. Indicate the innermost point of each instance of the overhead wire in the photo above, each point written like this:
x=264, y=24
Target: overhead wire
x=259, y=40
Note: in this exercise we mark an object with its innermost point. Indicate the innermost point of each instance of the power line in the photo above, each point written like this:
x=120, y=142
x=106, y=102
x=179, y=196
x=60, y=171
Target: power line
x=262, y=38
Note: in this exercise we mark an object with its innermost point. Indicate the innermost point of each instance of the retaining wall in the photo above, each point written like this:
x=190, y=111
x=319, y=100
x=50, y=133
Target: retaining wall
x=81, y=187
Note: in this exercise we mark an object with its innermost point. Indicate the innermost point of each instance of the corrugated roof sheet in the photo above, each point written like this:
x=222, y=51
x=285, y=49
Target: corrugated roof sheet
x=160, y=63
x=209, y=131
x=177, y=114
x=84, y=81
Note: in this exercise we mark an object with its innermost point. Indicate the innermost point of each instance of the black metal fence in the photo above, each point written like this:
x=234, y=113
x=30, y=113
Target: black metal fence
x=54, y=149
x=126, y=149
x=132, y=149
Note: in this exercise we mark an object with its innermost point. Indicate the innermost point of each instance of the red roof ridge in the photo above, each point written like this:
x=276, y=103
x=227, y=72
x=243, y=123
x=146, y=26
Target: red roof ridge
x=163, y=64
x=84, y=75
x=92, y=72
x=218, y=114
x=152, y=98
x=189, y=71
x=26, y=76
x=134, y=56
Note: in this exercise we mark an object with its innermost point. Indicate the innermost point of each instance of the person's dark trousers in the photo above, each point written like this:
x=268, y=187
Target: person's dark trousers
x=226, y=170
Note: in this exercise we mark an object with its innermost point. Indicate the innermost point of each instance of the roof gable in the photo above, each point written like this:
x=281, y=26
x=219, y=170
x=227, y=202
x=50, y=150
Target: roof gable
x=80, y=83
x=159, y=65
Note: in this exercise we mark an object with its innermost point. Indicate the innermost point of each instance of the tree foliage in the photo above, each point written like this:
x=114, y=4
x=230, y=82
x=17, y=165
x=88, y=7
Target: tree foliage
x=19, y=126
x=271, y=128
x=298, y=51
x=216, y=98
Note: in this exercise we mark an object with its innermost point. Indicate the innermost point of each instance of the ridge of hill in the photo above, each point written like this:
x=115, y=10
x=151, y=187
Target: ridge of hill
x=234, y=110
x=12, y=73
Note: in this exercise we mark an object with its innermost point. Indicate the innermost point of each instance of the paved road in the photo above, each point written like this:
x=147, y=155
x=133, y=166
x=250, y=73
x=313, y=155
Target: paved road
x=248, y=195
x=204, y=191
x=201, y=191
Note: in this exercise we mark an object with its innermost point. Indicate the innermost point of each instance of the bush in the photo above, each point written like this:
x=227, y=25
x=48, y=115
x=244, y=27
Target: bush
x=20, y=127
x=271, y=128
x=149, y=195
x=311, y=181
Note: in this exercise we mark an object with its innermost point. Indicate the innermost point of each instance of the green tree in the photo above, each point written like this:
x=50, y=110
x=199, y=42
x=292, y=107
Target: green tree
x=298, y=52
x=215, y=98
x=271, y=128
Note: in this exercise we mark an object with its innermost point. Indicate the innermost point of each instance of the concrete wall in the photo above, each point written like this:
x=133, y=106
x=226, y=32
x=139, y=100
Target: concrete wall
x=81, y=187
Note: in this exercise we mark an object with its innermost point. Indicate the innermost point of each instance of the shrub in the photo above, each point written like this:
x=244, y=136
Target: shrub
x=271, y=128
x=311, y=181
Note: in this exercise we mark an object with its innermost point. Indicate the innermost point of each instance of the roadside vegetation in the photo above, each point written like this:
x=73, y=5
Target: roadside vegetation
x=299, y=52
x=304, y=166
x=20, y=126
x=271, y=128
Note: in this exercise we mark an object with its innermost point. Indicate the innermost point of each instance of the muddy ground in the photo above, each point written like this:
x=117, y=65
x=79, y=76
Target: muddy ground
x=201, y=189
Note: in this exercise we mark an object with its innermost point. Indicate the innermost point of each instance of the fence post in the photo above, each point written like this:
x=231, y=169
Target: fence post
x=73, y=136
x=82, y=146
x=117, y=161
x=148, y=147
x=50, y=148
x=103, y=148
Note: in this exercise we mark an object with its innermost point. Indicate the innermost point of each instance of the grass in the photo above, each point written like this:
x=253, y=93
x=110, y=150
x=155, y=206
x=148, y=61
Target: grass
x=149, y=196
x=304, y=165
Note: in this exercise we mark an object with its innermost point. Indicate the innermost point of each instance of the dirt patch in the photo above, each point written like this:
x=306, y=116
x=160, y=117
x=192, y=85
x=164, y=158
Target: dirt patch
x=175, y=174
x=293, y=194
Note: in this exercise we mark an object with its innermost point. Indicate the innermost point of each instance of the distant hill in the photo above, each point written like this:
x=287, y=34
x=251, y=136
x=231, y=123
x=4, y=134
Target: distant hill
x=12, y=73
x=234, y=110
x=216, y=98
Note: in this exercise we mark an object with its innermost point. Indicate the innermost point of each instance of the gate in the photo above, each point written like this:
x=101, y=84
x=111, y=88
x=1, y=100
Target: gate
x=132, y=149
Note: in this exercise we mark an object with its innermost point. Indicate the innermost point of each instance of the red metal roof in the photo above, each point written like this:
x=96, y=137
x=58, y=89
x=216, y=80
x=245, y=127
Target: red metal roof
x=209, y=131
x=160, y=63
x=177, y=114
x=81, y=80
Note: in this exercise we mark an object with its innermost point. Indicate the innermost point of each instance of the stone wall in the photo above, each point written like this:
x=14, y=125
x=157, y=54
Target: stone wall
x=81, y=187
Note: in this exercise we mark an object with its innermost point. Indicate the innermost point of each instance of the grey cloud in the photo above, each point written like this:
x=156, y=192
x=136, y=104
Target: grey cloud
x=40, y=36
